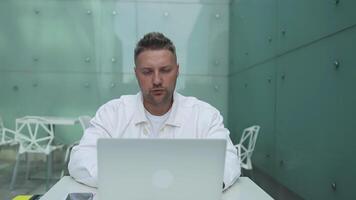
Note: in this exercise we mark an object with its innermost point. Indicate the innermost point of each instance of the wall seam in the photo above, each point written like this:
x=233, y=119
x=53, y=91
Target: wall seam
x=294, y=49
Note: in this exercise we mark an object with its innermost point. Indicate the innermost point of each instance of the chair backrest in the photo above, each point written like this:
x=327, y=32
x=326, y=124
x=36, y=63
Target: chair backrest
x=84, y=121
x=2, y=133
x=1, y=127
x=1, y=123
x=247, y=145
x=7, y=136
x=35, y=135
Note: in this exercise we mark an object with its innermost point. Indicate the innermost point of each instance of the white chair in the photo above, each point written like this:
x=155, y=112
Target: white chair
x=84, y=123
x=34, y=135
x=7, y=136
x=246, y=146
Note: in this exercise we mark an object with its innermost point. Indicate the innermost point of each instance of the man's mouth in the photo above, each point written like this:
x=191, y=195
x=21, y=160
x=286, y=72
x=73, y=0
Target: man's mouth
x=157, y=91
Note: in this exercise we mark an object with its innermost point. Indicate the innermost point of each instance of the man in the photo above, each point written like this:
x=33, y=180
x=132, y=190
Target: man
x=155, y=112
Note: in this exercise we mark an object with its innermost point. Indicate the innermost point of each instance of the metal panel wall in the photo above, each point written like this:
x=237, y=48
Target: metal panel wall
x=316, y=117
x=251, y=102
x=313, y=111
x=66, y=58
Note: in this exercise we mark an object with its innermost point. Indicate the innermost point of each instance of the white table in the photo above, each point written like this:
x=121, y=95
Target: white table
x=50, y=120
x=243, y=189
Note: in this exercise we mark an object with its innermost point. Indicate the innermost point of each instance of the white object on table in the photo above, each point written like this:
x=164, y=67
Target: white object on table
x=243, y=189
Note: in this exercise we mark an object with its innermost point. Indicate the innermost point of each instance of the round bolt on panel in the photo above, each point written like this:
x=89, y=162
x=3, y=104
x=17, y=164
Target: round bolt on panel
x=216, y=88
x=333, y=186
x=88, y=12
x=281, y=162
x=284, y=32
x=336, y=64
x=217, y=16
x=114, y=12
x=15, y=88
x=283, y=76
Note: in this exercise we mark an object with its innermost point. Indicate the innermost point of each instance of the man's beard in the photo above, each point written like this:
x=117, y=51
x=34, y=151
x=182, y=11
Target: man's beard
x=162, y=100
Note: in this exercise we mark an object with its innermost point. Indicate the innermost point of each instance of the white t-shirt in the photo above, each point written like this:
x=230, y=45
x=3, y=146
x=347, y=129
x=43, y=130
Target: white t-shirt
x=156, y=122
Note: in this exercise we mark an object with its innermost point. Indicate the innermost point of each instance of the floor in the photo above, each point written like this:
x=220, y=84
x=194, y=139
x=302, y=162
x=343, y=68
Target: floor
x=272, y=187
x=36, y=185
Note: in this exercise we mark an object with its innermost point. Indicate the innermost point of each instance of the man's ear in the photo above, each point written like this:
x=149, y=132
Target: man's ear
x=177, y=69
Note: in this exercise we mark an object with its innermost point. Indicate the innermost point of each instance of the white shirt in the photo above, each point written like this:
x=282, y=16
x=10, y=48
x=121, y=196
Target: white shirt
x=125, y=118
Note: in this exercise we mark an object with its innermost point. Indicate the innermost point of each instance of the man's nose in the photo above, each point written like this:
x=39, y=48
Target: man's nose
x=157, y=79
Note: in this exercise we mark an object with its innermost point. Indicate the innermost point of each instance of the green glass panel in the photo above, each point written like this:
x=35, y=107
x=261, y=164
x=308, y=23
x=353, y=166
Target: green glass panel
x=211, y=89
x=186, y=1
x=17, y=35
x=202, y=42
x=118, y=36
x=51, y=36
x=112, y=85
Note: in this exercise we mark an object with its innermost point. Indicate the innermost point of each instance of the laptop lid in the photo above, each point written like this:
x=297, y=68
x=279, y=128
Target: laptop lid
x=161, y=169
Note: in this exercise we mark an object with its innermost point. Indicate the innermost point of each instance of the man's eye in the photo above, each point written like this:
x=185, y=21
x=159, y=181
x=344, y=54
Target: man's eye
x=146, y=72
x=166, y=70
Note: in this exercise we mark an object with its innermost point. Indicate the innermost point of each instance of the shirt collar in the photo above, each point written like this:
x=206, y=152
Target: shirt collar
x=139, y=116
x=174, y=119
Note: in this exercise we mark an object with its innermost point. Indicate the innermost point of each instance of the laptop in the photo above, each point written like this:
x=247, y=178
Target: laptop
x=160, y=169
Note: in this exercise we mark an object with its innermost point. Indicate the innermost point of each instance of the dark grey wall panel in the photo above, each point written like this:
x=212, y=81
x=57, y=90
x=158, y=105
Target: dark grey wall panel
x=303, y=21
x=316, y=115
x=252, y=101
x=315, y=111
x=253, y=32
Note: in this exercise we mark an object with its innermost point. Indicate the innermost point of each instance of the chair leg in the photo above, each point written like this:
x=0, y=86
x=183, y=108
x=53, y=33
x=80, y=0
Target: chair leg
x=66, y=159
x=67, y=154
x=49, y=170
x=28, y=165
x=14, y=173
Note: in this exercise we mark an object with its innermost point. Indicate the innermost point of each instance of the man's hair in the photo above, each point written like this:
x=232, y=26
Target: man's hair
x=154, y=41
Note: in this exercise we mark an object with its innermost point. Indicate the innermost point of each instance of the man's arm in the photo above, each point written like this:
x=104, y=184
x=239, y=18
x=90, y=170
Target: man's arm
x=232, y=162
x=83, y=160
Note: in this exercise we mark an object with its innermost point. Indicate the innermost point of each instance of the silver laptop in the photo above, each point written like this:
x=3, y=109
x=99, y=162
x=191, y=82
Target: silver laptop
x=160, y=169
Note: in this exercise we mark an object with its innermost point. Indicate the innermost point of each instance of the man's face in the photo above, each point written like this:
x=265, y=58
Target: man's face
x=157, y=72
